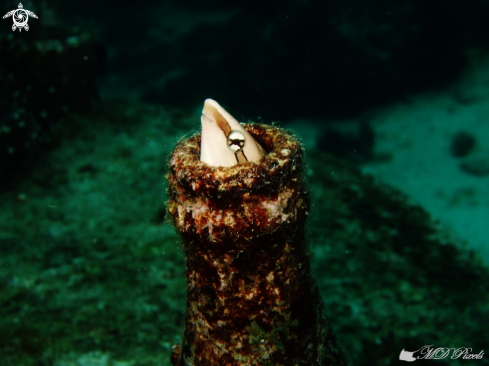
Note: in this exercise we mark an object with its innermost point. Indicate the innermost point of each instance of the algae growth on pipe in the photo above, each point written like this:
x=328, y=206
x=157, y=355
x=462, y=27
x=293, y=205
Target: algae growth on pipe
x=238, y=198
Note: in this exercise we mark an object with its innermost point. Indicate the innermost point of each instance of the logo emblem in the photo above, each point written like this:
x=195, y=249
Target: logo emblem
x=20, y=17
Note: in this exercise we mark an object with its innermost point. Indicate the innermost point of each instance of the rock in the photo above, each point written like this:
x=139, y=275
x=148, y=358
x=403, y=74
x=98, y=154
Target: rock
x=476, y=165
x=462, y=144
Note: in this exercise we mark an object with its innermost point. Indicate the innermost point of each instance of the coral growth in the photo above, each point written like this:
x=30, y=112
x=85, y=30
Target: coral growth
x=251, y=298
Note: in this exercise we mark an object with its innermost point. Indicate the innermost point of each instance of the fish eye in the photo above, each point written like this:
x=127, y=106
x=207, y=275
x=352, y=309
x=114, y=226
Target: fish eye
x=236, y=141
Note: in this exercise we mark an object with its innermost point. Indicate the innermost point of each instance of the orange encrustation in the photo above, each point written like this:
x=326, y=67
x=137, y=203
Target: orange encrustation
x=251, y=298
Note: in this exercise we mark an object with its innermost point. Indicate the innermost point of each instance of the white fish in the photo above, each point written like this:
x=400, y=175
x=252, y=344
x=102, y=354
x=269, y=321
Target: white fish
x=224, y=141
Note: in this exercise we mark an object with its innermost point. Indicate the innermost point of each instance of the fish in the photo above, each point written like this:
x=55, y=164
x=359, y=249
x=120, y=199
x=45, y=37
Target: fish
x=224, y=141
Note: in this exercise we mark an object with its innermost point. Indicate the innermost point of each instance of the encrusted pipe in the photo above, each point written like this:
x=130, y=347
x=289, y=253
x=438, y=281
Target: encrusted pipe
x=251, y=299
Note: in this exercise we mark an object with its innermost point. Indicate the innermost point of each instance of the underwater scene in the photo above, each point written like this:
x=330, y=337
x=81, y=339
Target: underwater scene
x=295, y=182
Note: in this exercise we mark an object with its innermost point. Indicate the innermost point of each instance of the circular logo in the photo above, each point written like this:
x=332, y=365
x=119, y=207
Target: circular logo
x=20, y=18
